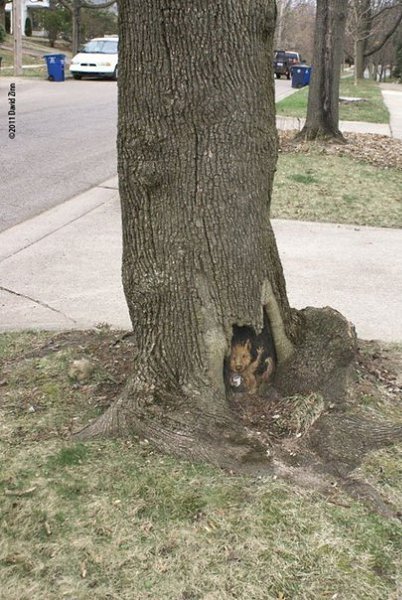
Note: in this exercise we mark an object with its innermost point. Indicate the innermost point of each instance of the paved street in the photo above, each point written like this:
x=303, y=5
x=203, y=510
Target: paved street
x=64, y=144
x=283, y=88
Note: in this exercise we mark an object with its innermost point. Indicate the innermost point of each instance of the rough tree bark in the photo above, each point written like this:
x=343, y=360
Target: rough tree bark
x=323, y=100
x=197, y=150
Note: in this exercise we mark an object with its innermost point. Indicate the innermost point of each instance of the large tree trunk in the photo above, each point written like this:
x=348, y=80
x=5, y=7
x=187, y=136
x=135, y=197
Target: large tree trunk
x=323, y=101
x=197, y=150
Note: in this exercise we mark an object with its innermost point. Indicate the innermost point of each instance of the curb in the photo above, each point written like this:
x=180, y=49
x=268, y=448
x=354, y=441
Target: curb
x=27, y=233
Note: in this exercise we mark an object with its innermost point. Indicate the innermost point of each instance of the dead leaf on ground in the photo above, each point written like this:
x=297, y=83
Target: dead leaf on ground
x=378, y=150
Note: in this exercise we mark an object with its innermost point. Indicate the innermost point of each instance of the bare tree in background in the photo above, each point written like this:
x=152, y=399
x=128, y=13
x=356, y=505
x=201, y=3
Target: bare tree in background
x=371, y=25
x=75, y=7
x=295, y=26
x=282, y=8
x=381, y=64
x=323, y=100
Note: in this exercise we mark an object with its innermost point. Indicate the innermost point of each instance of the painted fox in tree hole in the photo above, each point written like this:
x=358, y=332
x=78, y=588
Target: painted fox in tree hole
x=252, y=358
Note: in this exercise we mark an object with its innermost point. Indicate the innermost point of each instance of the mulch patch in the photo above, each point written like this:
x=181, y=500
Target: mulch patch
x=377, y=150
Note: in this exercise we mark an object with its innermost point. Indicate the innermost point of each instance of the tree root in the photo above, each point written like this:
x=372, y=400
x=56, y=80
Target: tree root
x=308, y=134
x=178, y=427
x=316, y=442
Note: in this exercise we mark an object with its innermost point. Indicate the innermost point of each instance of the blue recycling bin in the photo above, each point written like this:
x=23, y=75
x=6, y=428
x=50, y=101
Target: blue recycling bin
x=55, y=66
x=300, y=76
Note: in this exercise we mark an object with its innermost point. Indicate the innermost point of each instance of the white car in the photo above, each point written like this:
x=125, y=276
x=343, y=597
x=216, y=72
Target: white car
x=98, y=57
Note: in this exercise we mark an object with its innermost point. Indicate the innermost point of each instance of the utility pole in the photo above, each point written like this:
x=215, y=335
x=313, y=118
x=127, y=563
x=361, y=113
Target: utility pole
x=17, y=35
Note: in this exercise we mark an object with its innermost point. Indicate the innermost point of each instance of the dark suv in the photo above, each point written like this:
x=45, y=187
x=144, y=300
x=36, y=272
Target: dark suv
x=284, y=61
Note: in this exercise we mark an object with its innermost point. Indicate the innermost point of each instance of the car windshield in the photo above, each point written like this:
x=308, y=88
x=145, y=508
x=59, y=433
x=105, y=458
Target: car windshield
x=100, y=47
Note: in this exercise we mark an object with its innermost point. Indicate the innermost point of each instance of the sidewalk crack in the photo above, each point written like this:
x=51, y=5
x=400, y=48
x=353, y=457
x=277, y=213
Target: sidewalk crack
x=38, y=302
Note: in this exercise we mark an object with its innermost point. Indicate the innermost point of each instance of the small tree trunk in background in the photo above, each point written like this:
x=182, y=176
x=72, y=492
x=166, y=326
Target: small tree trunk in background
x=362, y=37
x=279, y=26
x=76, y=23
x=323, y=101
x=359, y=60
x=3, y=13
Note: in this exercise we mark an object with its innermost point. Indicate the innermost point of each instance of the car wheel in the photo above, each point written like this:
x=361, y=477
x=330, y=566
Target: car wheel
x=278, y=75
x=115, y=73
x=77, y=75
x=287, y=75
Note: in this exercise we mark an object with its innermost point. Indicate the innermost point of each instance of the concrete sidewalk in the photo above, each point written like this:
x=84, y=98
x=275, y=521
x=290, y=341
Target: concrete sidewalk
x=392, y=95
x=285, y=123
x=61, y=269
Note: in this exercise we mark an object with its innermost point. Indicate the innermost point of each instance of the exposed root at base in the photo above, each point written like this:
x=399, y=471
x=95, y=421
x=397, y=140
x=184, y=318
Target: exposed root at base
x=308, y=134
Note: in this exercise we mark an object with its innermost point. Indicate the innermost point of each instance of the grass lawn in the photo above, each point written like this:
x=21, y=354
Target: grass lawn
x=7, y=64
x=37, y=72
x=114, y=519
x=318, y=187
x=372, y=110
x=32, y=54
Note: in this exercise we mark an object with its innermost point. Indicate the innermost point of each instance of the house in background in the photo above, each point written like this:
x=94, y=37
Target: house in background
x=26, y=7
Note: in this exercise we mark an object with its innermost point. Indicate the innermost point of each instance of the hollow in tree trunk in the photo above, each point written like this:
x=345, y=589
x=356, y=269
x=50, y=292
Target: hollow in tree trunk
x=322, y=120
x=197, y=151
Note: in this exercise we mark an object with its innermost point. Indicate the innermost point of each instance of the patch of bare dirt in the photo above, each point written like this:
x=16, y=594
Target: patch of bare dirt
x=377, y=369
x=109, y=355
x=113, y=351
x=378, y=150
